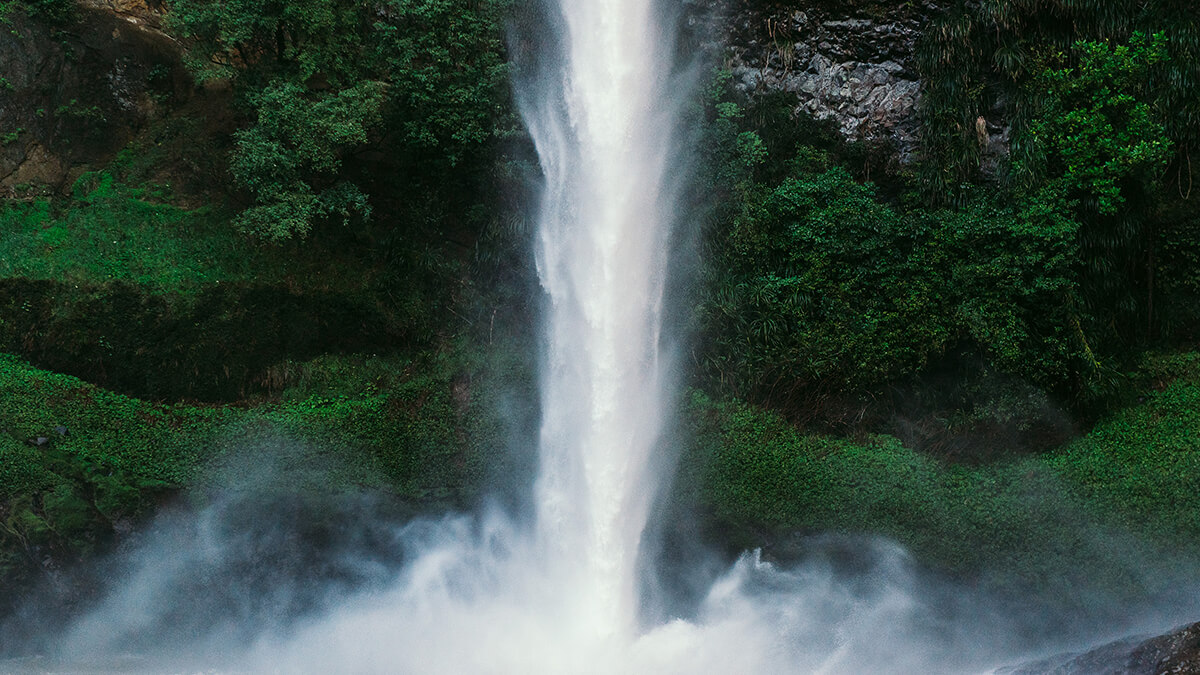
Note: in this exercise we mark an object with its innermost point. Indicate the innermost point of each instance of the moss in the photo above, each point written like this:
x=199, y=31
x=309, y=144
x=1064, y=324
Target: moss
x=108, y=231
x=1143, y=462
x=162, y=302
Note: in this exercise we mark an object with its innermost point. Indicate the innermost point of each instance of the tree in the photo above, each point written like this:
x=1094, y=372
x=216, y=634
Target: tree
x=1095, y=152
x=423, y=81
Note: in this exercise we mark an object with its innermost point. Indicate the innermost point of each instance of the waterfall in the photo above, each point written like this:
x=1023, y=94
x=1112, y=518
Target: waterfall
x=600, y=117
x=486, y=594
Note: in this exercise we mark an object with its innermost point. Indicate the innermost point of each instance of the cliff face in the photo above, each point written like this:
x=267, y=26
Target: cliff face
x=850, y=62
x=71, y=96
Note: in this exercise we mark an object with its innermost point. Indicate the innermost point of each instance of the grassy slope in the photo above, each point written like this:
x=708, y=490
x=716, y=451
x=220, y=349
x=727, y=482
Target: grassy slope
x=1096, y=508
x=109, y=231
x=128, y=288
x=360, y=384
x=1143, y=462
x=343, y=424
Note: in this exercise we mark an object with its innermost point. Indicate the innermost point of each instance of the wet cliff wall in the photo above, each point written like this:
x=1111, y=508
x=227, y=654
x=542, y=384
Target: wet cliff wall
x=74, y=91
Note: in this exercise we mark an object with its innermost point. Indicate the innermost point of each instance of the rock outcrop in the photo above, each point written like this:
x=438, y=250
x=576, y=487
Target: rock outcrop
x=146, y=13
x=71, y=96
x=850, y=64
x=1176, y=653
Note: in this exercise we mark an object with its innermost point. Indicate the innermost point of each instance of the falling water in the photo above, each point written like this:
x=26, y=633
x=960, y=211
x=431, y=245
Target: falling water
x=483, y=594
x=601, y=122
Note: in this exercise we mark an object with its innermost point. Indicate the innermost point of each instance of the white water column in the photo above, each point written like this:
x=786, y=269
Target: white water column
x=603, y=127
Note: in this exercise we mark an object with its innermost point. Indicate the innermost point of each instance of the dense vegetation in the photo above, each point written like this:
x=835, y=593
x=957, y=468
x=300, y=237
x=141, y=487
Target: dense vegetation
x=1065, y=515
x=319, y=254
x=423, y=84
x=824, y=296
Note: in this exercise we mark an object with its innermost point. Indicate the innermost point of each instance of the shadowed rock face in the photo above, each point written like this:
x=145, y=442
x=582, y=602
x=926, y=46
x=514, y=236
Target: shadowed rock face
x=850, y=64
x=71, y=96
x=1176, y=653
x=137, y=12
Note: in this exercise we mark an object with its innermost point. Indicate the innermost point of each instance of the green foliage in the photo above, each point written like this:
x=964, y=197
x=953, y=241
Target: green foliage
x=1144, y=463
x=1092, y=136
x=1030, y=522
x=422, y=82
x=1095, y=151
x=404, y=427
x=1103, y=127
x=110, y=232
x=821, y=291
x=65, y=495
x=449, y=80
x=980, y=58
x=297, y=138
x=1177, y=80
x=53, y=11
x=156, y=300
x=818, y=288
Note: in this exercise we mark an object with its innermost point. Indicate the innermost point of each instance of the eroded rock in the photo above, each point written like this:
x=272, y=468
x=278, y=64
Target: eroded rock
x=1176, y=653
x=851, y=65
x=72, y=96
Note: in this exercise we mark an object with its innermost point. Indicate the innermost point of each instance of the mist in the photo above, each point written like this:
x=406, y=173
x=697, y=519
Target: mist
x=256, y=582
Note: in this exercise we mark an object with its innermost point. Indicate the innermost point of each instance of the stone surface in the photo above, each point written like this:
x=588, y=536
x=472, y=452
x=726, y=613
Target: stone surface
x=1176, y=653
x=71, y=97
x=850, y=64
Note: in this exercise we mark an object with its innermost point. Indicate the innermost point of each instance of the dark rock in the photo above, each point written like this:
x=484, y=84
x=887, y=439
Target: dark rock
x=1176, y=653
x=850, y=64
x=72, y=96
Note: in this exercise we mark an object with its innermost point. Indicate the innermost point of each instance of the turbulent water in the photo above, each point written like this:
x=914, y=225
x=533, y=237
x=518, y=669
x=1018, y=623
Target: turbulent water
x=561, y=595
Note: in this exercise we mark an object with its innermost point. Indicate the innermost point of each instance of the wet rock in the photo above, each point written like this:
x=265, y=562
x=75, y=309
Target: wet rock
x=854, y=66
x=1176, y=653
x=72, y=96
x=853, y=63
x=147, y=13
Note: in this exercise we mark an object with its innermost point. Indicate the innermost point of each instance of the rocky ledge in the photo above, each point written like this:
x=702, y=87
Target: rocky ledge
x=852, y=65
x=1176, y=653
x=73, y=95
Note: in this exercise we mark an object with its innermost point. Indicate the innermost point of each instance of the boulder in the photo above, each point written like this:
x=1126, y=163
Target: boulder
x=1175, y=653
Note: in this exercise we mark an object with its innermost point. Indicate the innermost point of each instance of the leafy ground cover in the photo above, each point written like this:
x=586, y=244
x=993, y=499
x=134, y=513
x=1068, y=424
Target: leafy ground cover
x=124, y=287
x=111, y=232
x=79, y=463
x=1102, y=509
